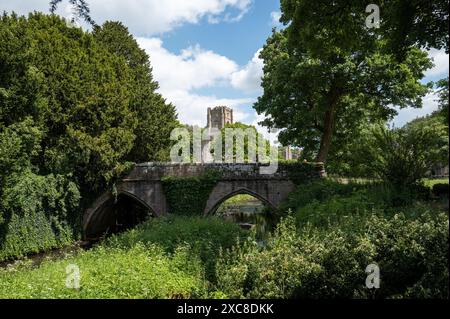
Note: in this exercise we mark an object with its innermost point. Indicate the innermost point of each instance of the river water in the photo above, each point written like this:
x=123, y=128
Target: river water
x=249, y=213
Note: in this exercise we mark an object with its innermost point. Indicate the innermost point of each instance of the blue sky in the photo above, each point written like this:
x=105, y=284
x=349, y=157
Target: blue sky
x=205, y=52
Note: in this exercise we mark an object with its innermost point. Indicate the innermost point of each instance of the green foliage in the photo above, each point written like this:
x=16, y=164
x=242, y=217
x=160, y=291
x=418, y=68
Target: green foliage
x=95, y=105
x=428, y=182
x=409, y=23
x=336, y=231
x=442, y=86
x=323, y=253
x=110, y=273
x=403, y=23
x=204, y=237
x=318, y=190
x=188, y=195
x=325, y=75
x=295, y=266
x=242, y=132
x=301, y=172
x=39, y=213
x=414, y=148
x=156, y=118
x=403, y=156
x=19, y=145
x=413, y=255
x=167, y=257
x=239, y=198
x=73, y=105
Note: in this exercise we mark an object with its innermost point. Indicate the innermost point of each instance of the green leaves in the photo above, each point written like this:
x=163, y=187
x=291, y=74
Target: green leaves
x=188, y=195
x=39, y=212
x=73, y=105
x=404, y=156
x=326, y=75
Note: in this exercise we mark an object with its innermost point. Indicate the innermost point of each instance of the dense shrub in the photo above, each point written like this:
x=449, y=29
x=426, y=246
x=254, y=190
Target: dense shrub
x=302, y=172
x=136, y=272
x=314, y=262
x=204, y=237
x=335, y=232
x=412, y=255
x=295, y=266
x=403, y=156
x=317, y=190
x=73, y=105
x=366, y=195
x=38, y=214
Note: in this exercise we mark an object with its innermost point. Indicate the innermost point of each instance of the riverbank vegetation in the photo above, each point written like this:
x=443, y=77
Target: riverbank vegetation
x=320, y=250
x=76, y=111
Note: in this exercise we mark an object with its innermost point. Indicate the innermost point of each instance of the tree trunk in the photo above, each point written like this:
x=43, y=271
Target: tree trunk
x=325, y=141
x=328, y=127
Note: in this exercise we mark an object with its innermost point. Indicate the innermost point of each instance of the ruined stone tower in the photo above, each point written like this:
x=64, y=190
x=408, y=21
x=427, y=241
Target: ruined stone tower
x=219, y=116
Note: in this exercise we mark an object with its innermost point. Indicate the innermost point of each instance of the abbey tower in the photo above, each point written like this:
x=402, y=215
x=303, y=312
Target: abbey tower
x=219, y=116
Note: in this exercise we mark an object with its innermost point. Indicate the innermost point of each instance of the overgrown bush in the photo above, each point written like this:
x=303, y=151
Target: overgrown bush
x=412, y=255
x=330, y=262
x=39, y=213
x=204, y=237
x=317, y=190
x=403, y=156
x=292, y=265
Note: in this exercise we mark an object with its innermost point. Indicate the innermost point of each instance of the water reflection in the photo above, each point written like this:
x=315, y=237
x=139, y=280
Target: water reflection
x=249, y=213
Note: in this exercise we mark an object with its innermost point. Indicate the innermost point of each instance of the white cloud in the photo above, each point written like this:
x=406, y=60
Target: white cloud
x=440, y=68
x=406, y=115
x=147, y=17
x=275, y=18
x=179, y=75
x=193, y=68
x=249, y=78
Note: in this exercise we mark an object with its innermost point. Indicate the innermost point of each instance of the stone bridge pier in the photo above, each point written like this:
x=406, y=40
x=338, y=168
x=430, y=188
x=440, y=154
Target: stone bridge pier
x=143, y=187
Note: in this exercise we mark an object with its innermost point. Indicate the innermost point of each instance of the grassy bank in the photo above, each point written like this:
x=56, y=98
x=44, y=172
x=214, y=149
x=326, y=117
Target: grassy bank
x=320, y=250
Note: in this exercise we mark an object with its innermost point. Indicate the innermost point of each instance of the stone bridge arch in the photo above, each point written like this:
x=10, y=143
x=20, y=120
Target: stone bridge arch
x=269, y=192
x=143, y=185
x=99, y=219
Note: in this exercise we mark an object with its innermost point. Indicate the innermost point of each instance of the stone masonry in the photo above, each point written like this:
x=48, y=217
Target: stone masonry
x=144, y=185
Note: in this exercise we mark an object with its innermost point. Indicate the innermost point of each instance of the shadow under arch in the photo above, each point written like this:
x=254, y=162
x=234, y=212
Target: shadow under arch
x=113, y=214
x=246, y=191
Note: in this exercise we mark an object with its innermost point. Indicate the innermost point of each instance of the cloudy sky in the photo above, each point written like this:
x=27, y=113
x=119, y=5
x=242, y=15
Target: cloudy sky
x=204, y=53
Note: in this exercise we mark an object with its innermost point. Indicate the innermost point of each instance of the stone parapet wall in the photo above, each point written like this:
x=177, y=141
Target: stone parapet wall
x=156, y=171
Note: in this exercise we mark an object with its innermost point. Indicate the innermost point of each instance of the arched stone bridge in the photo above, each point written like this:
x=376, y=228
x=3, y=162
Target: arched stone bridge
x=143, y=185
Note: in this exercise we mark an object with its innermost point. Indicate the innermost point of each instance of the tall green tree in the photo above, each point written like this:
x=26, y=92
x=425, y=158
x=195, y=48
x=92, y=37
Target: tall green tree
x=322, y=80
x=97, y=107
x=156, y=118
x=407, y=23
x=403, y=23
x=442, y=86
x=76, y=110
